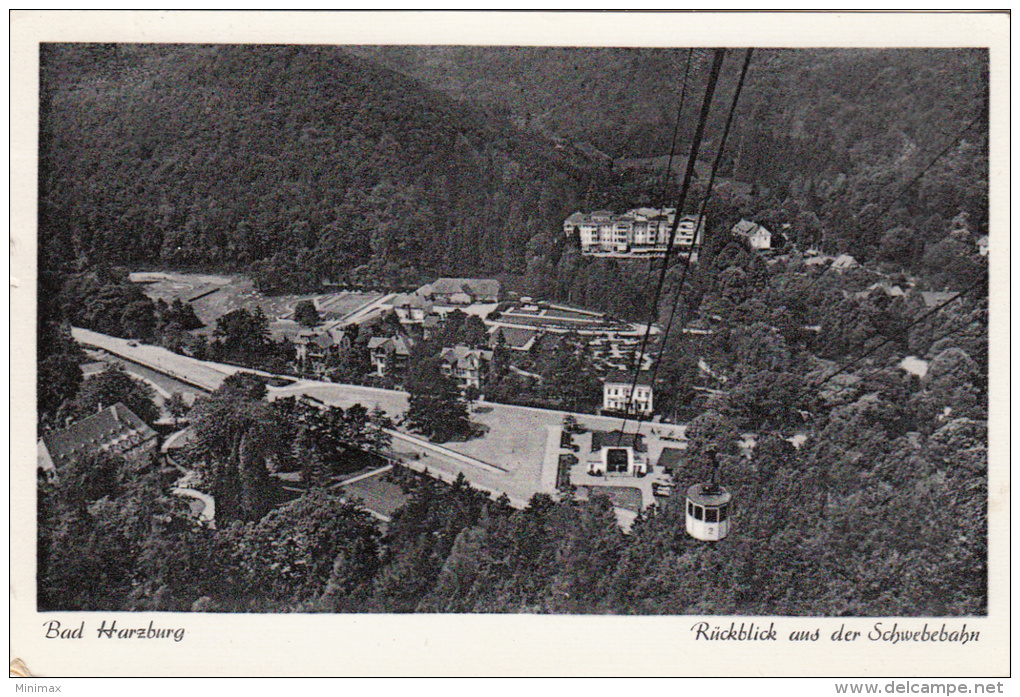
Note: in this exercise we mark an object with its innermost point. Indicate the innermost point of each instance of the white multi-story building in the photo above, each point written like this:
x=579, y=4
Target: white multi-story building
x=616, y=391
x=638, y=231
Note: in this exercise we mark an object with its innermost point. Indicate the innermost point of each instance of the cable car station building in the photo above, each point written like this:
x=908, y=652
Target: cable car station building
x=612, y=454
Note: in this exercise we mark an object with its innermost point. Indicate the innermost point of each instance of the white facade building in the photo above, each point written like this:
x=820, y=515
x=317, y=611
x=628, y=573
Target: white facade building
x=638, y=231
x=616, y=393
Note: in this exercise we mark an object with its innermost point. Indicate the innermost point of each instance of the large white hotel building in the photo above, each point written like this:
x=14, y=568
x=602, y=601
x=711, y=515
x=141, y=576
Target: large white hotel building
x=640, y=231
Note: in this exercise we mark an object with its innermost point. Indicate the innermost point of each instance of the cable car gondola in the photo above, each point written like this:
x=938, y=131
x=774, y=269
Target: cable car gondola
x=708, y=508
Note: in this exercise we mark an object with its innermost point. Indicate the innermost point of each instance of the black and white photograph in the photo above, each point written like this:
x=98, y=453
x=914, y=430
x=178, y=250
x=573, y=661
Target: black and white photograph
x=491, y=329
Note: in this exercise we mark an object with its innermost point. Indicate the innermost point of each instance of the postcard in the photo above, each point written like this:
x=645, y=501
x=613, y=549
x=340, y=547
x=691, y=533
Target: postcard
x=509, y=344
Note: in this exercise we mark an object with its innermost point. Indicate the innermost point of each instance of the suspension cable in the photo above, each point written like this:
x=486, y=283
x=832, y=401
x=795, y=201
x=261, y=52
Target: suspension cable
x=672, y=143
x=699, y=221
x=699, y=133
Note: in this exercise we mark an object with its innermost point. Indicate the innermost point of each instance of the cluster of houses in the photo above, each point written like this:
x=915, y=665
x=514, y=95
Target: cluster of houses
x=437, y=299
x=427, y=307
x=646, y=231
x=467, y=366
x=526, y=326
x=637, y=232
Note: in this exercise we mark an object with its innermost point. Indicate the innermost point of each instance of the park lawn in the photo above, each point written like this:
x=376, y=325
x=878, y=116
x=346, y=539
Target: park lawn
x=378, y=494
x=237, y=291
x=515, y=440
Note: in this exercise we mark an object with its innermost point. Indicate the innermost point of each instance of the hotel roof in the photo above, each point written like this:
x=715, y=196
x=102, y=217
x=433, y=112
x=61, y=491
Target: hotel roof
x=114, y=429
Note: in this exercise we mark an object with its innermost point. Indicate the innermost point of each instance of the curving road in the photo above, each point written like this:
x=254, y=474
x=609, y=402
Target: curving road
x=514, y=455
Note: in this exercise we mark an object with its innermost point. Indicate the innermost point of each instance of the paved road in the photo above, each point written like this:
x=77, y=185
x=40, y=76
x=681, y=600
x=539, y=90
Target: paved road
x=183, y=368
x=364, y=313
x=514, y=455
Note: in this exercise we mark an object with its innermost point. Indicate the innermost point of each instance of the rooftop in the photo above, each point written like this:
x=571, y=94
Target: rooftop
x=465, y=356
x=479, y=287
x=612, y=439
x=515, y=337
x=624, y=377
x=670, y=458
x=705, y=495
x=115, y=428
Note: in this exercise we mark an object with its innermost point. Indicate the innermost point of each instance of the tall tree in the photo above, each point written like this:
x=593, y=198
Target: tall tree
x=237, y=435
x=114, y=385
x=436, y=407
x=306, y=314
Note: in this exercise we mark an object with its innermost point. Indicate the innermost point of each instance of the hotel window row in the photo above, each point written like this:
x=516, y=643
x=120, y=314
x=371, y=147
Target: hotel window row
x=637, y=230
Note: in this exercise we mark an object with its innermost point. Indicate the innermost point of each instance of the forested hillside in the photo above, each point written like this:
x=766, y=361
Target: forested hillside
x=299, y=164
x=283, y=158
x=840, y=106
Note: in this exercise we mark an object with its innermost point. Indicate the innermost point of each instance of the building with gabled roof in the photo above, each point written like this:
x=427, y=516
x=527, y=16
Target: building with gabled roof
x=310, y=344
x=758, y=236
x=466, y=365
x=462, y=291
x=616, y=392
x=516, y=338
x=315, y=346
x=389, y=355
x=115, y=429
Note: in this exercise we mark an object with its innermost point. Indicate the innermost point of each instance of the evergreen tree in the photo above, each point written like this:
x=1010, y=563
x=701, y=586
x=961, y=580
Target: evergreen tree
x=436, y=407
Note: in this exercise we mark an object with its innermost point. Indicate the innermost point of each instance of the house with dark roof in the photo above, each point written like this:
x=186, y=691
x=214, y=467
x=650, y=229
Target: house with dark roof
x=616, y=392
x=430, y=325
x=670, y=459
x=466, y=365
x=310, y=344
x=389, y=355
x=616, y=453
x=462, y=291
x=114, y=429
x=314, y=346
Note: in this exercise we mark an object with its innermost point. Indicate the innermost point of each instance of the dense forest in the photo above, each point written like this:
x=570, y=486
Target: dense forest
x=294, y=157
x=893, y=524
x=866, y=492
x=302, y=164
